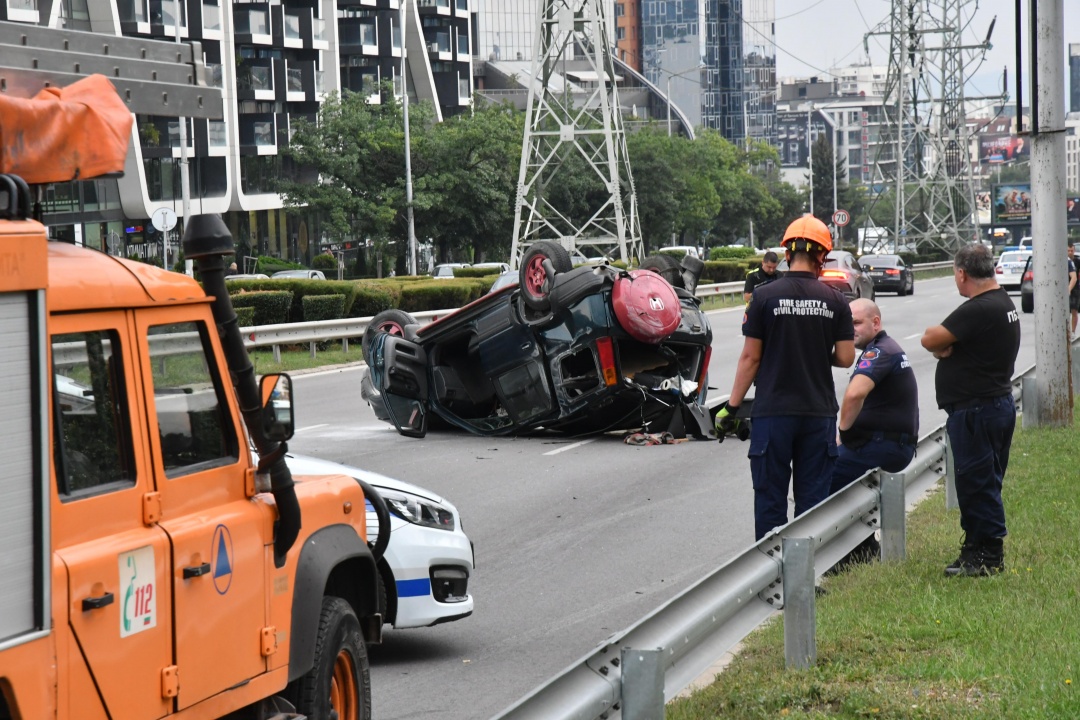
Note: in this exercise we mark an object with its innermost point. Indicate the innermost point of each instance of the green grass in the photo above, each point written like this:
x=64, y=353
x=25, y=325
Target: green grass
x=296, y=358
x=901, y=640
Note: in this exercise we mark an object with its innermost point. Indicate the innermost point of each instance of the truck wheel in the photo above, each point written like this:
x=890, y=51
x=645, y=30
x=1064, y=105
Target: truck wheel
x=391, y=322
x=339, y=684
x=533, y=278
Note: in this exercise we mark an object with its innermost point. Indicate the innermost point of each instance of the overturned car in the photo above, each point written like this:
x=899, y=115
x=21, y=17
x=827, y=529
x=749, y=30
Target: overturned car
x=577, y=350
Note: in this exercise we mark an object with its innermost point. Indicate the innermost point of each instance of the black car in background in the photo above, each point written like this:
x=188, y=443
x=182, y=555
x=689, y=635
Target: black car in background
x=844, y=273
x=577, y=350
x=889, y=273
x=1027, y=286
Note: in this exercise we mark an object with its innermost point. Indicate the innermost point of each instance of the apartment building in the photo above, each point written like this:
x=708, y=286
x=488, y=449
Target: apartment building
x=275, y=60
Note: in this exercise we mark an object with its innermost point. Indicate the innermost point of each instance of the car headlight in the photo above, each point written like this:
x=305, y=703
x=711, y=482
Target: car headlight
x=418, y=511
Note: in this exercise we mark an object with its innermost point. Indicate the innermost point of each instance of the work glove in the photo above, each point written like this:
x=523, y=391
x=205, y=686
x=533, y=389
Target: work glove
x=726, y=421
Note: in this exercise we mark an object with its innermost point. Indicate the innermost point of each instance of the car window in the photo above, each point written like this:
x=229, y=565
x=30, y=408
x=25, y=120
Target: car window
x=192, y=424
x=93, y=450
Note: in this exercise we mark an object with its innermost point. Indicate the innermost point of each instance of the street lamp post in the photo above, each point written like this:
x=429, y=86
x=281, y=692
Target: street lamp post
x=408, y=151
x=810, y=151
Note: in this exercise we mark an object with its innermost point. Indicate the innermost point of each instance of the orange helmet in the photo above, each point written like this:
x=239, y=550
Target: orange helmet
x=808, y=228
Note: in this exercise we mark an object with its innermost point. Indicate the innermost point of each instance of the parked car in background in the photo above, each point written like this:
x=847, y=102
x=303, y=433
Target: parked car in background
x=494, y=267
x=446, y=270
x=580, y=350
x=889, y=273
x=298, y=275
x=1010, y=268
x=843, y=272
x=1027, y=286
x=426, y=567
x=248, y=276
x=506, y=279
x=690, y=250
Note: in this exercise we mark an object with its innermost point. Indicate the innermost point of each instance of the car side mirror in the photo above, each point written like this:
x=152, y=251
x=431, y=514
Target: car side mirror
x=277, y=409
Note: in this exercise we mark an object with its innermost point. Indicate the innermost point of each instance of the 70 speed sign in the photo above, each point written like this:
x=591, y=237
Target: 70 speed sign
x=841, y=218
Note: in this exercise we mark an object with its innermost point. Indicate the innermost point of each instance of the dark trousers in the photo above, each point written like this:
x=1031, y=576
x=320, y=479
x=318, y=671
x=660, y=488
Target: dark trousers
x=889, y=455
x=782, y=448
x=980, y=436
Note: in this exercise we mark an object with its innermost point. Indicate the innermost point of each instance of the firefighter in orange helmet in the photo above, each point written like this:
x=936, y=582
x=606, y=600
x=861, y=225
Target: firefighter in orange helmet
x=795, y=330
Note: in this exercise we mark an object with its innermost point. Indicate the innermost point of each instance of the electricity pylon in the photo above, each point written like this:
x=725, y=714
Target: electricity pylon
x=925, y=159
x=574, y=108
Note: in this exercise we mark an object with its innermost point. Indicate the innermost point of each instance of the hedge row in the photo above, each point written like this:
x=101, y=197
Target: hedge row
x=299, y=289
x=323, y=307
x=269, y=308
x=471, y=272
x=245, y=316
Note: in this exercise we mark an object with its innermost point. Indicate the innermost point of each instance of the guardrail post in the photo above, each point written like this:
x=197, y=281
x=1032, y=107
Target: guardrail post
x=893, y=516
x=951, y=502
x=313, y=347
x=277, y=354
x=345, y=345
x=642, y=687
x=1029, y=401
x=800, y=618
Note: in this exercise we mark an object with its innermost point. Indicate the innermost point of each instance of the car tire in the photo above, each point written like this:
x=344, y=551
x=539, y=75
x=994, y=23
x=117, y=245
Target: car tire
x=911, y=288
x=1027, y=303
x=533, y=278
x=666, y=267
x=339, y=683
x=391, y=322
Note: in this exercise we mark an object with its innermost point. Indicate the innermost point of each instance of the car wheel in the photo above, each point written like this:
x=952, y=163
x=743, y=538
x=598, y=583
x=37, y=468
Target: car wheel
x=339, y=683
x=911, y=287
x=391, y=322
x=1027, y=303
x=533, y=277
x=666, y=267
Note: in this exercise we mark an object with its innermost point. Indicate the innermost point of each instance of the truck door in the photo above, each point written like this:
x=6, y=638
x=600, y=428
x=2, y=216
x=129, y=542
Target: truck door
x=117, y=559
x=221, y=537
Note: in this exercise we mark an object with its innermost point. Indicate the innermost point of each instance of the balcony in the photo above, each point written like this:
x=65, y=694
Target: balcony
x=318, y=34
x=217, y=133
x=295, y=80
x=215, y=75
x=254, y=82
x=461, y=8
x=258, y=134
x=23, y=11
x=292, y=27
x=211, y=21
x=464, y=90
x=441, y=7
x=163, y=16
x=252, y=25
x=134, y=16
x=438, y=46
x=463, y=51
x=360, y=79
x=358, y=36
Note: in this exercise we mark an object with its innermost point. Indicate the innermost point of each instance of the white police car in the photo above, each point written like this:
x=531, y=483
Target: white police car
x=427, y=564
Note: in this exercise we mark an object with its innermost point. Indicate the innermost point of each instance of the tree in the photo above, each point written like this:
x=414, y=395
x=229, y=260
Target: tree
x=657, y=184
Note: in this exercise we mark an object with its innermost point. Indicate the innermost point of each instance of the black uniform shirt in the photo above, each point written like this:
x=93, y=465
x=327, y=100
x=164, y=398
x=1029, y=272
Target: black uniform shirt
x=893, y=404
x=757, y=278
x=798, y=319
x=987, y=331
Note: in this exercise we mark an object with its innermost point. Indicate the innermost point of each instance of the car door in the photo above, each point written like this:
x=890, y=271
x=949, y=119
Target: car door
x=221, y=536
x=104, y=528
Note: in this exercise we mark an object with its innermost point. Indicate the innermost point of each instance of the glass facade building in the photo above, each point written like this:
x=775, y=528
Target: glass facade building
x=674, y=52
x=759, y=70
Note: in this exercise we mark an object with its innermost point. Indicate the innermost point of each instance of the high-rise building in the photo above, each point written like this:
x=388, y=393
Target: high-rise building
x=673, y=50
x=628, y=32
x=277, y=62
x=1074, y=77
x=759, y=69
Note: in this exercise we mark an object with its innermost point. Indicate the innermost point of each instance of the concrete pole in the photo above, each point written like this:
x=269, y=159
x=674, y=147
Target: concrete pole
x=669, y=105
x=185, y=178
x=405, y=9
x=810, y=151
x=1052, y=327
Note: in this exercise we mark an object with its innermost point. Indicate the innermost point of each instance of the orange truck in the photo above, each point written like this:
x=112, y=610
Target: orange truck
x=151, y=567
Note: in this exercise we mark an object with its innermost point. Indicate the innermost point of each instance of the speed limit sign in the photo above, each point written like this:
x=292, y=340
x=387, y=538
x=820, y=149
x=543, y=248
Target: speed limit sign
x=841, y=218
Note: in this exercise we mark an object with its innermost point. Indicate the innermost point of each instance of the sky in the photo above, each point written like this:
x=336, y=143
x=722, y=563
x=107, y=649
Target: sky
x=815, y=35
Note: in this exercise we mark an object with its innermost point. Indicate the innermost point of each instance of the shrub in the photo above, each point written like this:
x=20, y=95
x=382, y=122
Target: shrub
x=722, y=271
x=326, y=261
x=269, y=307
x=323, y=307
x=374, y=297
x=245, y=316
x=441, y=294
x=299, y=288
x=471, y=272
x=677, y=254
x=270, y=265
x=725, y=252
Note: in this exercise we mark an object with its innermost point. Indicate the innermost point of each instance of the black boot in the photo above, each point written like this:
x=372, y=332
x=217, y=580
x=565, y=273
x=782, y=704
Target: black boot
x=978, y=559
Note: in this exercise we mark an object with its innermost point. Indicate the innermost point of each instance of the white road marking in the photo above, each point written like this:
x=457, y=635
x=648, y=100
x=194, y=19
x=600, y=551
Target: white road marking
x=569, y=447
x=312, y=427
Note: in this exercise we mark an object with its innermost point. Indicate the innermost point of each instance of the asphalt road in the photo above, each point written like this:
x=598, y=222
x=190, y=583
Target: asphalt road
x=575, y=539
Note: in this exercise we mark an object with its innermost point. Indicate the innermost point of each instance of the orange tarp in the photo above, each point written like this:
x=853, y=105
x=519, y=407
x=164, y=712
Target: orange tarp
x=77, y=132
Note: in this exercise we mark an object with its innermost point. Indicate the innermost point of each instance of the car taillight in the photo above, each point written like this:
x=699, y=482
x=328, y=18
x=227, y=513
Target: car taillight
x=1029, y=275
x=838, y=274
x=999, y=270
x=703, y=376
x=607, y=361
x=892, y=271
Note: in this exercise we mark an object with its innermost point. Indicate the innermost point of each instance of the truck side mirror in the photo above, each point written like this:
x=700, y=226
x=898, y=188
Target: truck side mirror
x=277, y=409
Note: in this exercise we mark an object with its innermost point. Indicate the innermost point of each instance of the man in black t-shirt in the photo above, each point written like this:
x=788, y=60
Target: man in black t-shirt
x=879, y=416
x=795, y=329
x=976, y=347
x=1074, y=287
x=764, y=274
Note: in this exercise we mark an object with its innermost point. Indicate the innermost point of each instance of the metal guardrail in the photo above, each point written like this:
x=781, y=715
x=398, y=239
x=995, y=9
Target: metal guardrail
x=683, y=638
